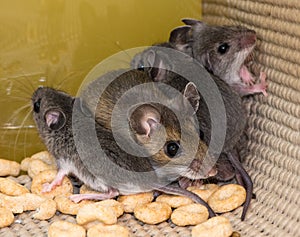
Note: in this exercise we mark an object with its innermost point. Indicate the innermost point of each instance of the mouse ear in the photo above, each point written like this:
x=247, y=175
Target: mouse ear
x=180, y=38
x=196, y=25
x=145, y=119
x=55, y=119
x=158, y=62
x=192, y=95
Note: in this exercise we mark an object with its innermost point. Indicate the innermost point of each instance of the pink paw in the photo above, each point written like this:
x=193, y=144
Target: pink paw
x=76, y=198
x=263, y=85
x=246, y=76
x=47, y=188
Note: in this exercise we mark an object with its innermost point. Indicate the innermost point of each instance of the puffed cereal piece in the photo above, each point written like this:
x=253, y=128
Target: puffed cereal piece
x=153, y=213
x=218, y=226
x=6, y=217
x=192, y=214
x=12, y=203
x=11, y=187
x=24, y=202
x=204, y=191
x=91, y=212
x=36, y=166
x=25, y=163
x=67, y=206
x=131, y=201
x=174, y=200
x=108, y=231
x=113, y=204
x=46, y=210
x=44, y=156
x=8, y=167
x=46, y=177
x=65, y=229
x=227, y=198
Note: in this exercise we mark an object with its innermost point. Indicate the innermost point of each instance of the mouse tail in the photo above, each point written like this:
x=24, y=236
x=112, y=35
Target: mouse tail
x=182, y=192
x=234, y=159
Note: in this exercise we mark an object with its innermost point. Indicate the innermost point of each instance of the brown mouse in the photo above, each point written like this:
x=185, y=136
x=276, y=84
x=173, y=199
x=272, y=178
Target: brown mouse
x=71, y=134
x=224, y=51
x=163, y=65
x=125, y=80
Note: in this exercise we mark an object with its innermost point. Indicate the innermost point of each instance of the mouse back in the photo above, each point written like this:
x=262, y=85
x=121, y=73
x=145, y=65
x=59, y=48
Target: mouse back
x=162, y=61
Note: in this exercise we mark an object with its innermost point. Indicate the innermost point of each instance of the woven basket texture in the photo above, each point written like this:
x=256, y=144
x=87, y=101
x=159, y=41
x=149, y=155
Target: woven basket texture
x=272, y=154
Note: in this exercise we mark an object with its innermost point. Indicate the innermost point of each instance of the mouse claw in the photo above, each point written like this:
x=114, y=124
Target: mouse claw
x=47, y=188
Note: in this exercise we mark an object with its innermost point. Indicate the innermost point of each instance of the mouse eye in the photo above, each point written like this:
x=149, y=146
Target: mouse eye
x=37, y=105
x=172, y=148
x=141, y=66
x=223, y=48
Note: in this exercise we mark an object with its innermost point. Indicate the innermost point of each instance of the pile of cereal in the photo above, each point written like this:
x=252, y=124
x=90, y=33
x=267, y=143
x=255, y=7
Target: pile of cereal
x=100, y=218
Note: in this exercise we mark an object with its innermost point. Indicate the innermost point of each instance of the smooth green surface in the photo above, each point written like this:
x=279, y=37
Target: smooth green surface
x=57, y=42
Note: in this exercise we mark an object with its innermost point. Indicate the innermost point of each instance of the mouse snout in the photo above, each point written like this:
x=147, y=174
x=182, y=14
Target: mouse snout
x=196, y=166
x=249, y=39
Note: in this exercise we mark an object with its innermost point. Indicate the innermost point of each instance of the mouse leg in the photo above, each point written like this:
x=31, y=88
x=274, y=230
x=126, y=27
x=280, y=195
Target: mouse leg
x=261, y=87
x=111, y=193
x=56, y=182
x=234, y=159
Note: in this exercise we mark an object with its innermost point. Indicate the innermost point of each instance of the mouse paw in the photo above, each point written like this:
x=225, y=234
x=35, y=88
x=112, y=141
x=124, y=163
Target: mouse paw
x=47, y=188
x=263, y=85
x=77, y=198
x=90, y=196
x=246, y=76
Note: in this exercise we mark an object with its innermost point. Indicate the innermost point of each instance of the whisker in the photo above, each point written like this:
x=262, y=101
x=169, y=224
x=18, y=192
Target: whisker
x=19, y=131
x=68, y=77
x=12, y=119
x=22, y=98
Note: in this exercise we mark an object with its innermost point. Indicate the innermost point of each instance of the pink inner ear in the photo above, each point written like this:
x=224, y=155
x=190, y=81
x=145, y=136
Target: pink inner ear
x=150, y=125
x=52, y=118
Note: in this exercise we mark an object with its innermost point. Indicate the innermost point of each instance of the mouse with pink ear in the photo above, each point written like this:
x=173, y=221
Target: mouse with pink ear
x=164, y=64
x=123, y=83
x=89, y=151
x=225, y=51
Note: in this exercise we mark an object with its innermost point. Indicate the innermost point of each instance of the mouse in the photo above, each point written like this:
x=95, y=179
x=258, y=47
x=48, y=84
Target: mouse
x=225, y=51
x=71, y=134
x=160, y=63
x=122, y=81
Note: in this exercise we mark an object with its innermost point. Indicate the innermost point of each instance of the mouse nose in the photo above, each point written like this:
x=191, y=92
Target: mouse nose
x=248, y=39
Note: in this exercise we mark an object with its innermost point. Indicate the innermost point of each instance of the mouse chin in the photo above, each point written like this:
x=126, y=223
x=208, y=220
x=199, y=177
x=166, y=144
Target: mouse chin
x=185, y=182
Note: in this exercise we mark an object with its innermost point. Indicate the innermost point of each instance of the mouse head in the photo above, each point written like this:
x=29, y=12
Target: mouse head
x=52, y=112
x=221, y=49
x=51, y=109
x=180, y=155
x=155, y=61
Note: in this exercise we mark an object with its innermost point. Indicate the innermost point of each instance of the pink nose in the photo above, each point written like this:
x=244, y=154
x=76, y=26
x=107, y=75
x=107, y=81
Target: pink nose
x=248, y=39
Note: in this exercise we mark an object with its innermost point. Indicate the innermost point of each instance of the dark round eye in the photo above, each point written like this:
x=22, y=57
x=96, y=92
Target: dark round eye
x=141, y=66
x=171, y=148
x=37, y=105
x=223, y=48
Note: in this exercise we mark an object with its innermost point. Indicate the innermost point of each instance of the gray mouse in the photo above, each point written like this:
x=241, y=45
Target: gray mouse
x=224, y=51
x=122, y=81
x=160, y=64
x=72, y=136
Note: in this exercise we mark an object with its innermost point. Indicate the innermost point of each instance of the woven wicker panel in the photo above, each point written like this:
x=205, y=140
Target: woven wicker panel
x=272, y=156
